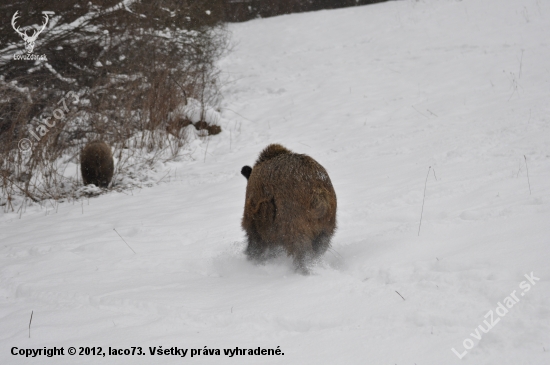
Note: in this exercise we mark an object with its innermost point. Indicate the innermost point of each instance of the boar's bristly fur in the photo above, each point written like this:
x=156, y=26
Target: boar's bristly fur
x=290, y=204
x=96, y=164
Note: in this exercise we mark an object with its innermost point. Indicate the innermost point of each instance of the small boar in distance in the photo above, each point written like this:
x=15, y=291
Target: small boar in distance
x=96, y=164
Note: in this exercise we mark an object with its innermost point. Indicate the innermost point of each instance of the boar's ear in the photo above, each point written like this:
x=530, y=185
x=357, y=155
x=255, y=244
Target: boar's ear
x=246, y=171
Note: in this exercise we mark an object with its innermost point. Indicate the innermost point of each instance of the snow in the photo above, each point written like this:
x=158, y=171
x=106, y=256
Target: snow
x=382, y=96
x=195, y=111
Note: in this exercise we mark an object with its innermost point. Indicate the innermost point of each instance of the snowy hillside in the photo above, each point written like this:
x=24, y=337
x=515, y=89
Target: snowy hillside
x=436, y=106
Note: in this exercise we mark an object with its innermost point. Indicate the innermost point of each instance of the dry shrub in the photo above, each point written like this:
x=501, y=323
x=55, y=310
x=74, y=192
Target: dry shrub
x=115, y=71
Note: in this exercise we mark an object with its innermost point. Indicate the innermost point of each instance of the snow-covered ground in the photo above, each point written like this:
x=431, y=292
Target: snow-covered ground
x=438, y=97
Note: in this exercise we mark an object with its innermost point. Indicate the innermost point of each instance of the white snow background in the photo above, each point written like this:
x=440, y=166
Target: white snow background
x=378, y=95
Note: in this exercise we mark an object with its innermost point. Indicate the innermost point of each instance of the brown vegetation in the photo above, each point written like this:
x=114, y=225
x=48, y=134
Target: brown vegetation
x=116, y=71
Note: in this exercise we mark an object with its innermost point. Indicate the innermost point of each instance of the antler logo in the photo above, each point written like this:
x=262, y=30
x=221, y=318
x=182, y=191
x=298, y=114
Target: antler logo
x=29, y=41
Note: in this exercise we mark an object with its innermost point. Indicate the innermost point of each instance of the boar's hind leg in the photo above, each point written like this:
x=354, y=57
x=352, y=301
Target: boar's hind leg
x=255, y=249
x=254, y=252
x=302, y=254
x=320, y=244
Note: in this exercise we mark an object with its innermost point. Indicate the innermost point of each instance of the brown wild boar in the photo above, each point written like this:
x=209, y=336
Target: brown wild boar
x=290, y=205
x=96, y=164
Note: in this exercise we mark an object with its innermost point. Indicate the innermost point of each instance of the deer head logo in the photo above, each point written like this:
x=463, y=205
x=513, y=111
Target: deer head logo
x=29, y=41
